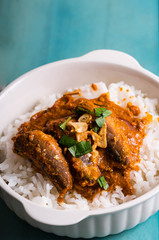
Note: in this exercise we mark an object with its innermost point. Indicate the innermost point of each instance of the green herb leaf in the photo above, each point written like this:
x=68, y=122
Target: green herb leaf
x=80, y=111
x=99, y=111
x=67, y=141
x=80, y=149
x=107, y=113
x=100, y=121
x=85, y=110
x=102, y=113
x=95, y=129
x=99, y=105
x=63, y=125
x=72, y=150
x=102, y=182
x=77, y=149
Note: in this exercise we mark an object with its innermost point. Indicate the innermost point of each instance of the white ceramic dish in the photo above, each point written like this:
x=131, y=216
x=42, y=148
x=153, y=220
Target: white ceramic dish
x=102, y=65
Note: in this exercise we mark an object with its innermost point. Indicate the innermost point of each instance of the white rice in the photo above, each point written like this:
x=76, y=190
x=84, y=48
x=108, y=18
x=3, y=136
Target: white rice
x=21, y=177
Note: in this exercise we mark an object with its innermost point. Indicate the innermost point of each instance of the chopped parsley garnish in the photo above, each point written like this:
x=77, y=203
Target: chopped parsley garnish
x=80, y=149
x=101, y=113
x=102, y=182
x=77, y=149
x=67, y=141
x=63, y=125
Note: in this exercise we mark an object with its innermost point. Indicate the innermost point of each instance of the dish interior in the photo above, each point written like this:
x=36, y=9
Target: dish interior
x=72, y=75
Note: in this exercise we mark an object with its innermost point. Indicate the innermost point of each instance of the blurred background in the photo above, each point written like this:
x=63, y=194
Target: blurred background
x=36, y=32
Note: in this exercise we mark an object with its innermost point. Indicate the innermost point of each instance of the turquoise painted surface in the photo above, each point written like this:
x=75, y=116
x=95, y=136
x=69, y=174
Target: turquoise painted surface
x=36, y=32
